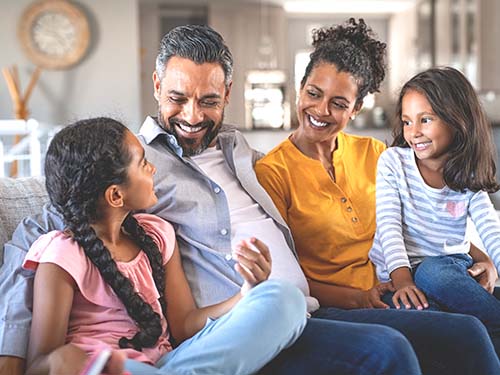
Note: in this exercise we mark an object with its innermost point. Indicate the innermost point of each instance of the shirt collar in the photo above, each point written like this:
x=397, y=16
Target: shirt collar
x=151, y=130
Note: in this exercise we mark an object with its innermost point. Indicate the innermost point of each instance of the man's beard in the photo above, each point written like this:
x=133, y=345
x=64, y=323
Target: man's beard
x=188, y=145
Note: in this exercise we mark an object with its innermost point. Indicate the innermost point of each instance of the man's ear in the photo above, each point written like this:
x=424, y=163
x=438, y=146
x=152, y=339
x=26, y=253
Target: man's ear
x=156, y=86
x=114, y=196
x=228, y=91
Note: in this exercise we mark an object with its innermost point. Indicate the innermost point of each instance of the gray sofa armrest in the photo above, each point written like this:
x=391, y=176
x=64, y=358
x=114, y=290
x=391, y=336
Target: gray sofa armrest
x=19, y=197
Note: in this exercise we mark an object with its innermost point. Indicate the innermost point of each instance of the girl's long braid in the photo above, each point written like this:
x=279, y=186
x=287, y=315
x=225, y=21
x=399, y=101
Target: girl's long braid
x=146, y=243
x=82, y=161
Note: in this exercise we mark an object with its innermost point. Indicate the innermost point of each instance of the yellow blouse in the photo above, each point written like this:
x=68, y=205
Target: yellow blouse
x=333, y=223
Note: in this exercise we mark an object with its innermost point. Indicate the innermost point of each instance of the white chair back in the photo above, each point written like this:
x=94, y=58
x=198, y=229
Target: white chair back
x=28, y=148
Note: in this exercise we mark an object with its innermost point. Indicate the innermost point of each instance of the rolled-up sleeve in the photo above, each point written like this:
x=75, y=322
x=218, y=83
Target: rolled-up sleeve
x=16, y=289
x=16, y=283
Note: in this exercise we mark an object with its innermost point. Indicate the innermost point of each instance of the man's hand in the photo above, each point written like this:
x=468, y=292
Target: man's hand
x=11, y=365
x=254, y=262
x=485, y=274
x=372, y=298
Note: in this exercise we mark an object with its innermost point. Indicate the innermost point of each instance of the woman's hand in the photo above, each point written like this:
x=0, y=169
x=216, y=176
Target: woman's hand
x=372, y=299
x=254, y=262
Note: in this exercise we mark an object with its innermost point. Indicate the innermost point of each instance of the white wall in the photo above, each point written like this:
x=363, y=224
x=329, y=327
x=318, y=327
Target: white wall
x=402, y=49
x=106, y=82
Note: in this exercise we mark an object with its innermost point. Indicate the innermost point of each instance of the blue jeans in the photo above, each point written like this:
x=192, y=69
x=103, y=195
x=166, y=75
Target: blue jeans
x=331, y=347
x=267, y=320
x=444, y=343
x=445, y=281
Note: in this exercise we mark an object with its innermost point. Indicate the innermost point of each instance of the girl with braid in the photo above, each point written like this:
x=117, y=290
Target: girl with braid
x=113, y=279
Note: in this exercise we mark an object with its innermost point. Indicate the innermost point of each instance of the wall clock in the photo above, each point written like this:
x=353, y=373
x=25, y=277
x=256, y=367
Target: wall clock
x=54, y=33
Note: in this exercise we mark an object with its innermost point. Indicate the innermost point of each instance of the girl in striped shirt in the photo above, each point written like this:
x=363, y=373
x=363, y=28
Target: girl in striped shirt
x=438, y=174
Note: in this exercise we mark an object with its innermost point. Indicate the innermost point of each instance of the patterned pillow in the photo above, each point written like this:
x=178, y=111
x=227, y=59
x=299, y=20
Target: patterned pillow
x=19, y=197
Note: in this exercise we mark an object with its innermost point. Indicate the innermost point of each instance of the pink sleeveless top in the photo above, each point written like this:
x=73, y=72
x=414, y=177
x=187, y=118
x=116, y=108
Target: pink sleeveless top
x=98, y=318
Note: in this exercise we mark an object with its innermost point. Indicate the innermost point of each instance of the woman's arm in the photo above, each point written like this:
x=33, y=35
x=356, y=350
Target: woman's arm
x=349, y=298
x=52, y=301
x=184, y=318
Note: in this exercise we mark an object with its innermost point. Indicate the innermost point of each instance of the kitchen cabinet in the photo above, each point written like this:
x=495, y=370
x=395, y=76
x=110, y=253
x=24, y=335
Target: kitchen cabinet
x=488, y=26
x=456, y=35
x=461, y=33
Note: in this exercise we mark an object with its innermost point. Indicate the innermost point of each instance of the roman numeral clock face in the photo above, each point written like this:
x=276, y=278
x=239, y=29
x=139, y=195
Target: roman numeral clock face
x=54, y=33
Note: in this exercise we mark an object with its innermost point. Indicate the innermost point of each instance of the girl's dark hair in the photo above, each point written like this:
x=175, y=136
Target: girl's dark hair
x=82, y=161
x=471, y=161
x=353, y=49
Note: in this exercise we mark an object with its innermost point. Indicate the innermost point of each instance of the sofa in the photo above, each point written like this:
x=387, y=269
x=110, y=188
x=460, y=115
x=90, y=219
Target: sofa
x=19, y=197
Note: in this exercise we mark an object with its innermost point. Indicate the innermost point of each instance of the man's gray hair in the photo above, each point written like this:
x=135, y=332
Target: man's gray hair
x=198, y=43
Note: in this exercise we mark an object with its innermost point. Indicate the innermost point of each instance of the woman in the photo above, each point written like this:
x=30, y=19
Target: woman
x=323, y=182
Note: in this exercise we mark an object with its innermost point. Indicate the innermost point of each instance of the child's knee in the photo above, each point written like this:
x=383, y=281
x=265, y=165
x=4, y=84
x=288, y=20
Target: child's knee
x=438, y=274
x=282, y=293
x=286, y=303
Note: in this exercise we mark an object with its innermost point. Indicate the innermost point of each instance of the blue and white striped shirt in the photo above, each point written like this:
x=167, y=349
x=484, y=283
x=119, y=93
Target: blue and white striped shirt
x=415, y=221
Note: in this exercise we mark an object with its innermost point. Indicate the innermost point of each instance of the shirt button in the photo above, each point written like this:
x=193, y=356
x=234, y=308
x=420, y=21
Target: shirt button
x=354, y=219
x=343, y=200
x=171, y=141
x=228, y=257
x=217, y=190
x=223, y=231
x=349, y=209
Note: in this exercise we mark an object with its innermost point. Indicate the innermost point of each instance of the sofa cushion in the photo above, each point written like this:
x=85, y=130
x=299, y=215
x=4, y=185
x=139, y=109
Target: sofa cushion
x=19, y=197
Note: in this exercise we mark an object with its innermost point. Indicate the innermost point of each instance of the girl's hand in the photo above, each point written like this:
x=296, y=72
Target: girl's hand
x=70, y=359
x=410, y=293
x=67, y=359
x=254, y=262
x=11, y=365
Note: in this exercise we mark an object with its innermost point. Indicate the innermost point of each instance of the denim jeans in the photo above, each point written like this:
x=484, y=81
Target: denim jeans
x=444, y=343
x=334, y=347
x=445, y=281
x=267, y=320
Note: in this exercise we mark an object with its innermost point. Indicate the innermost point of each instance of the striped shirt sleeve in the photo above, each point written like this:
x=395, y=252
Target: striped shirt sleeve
x=487, y=224
x=389, y=213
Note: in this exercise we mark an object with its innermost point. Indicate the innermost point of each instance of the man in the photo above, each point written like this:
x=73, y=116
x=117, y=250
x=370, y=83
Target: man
x=208, y=191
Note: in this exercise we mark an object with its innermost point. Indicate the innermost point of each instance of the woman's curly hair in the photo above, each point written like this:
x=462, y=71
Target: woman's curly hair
x=82, y=161
x=353, y=49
